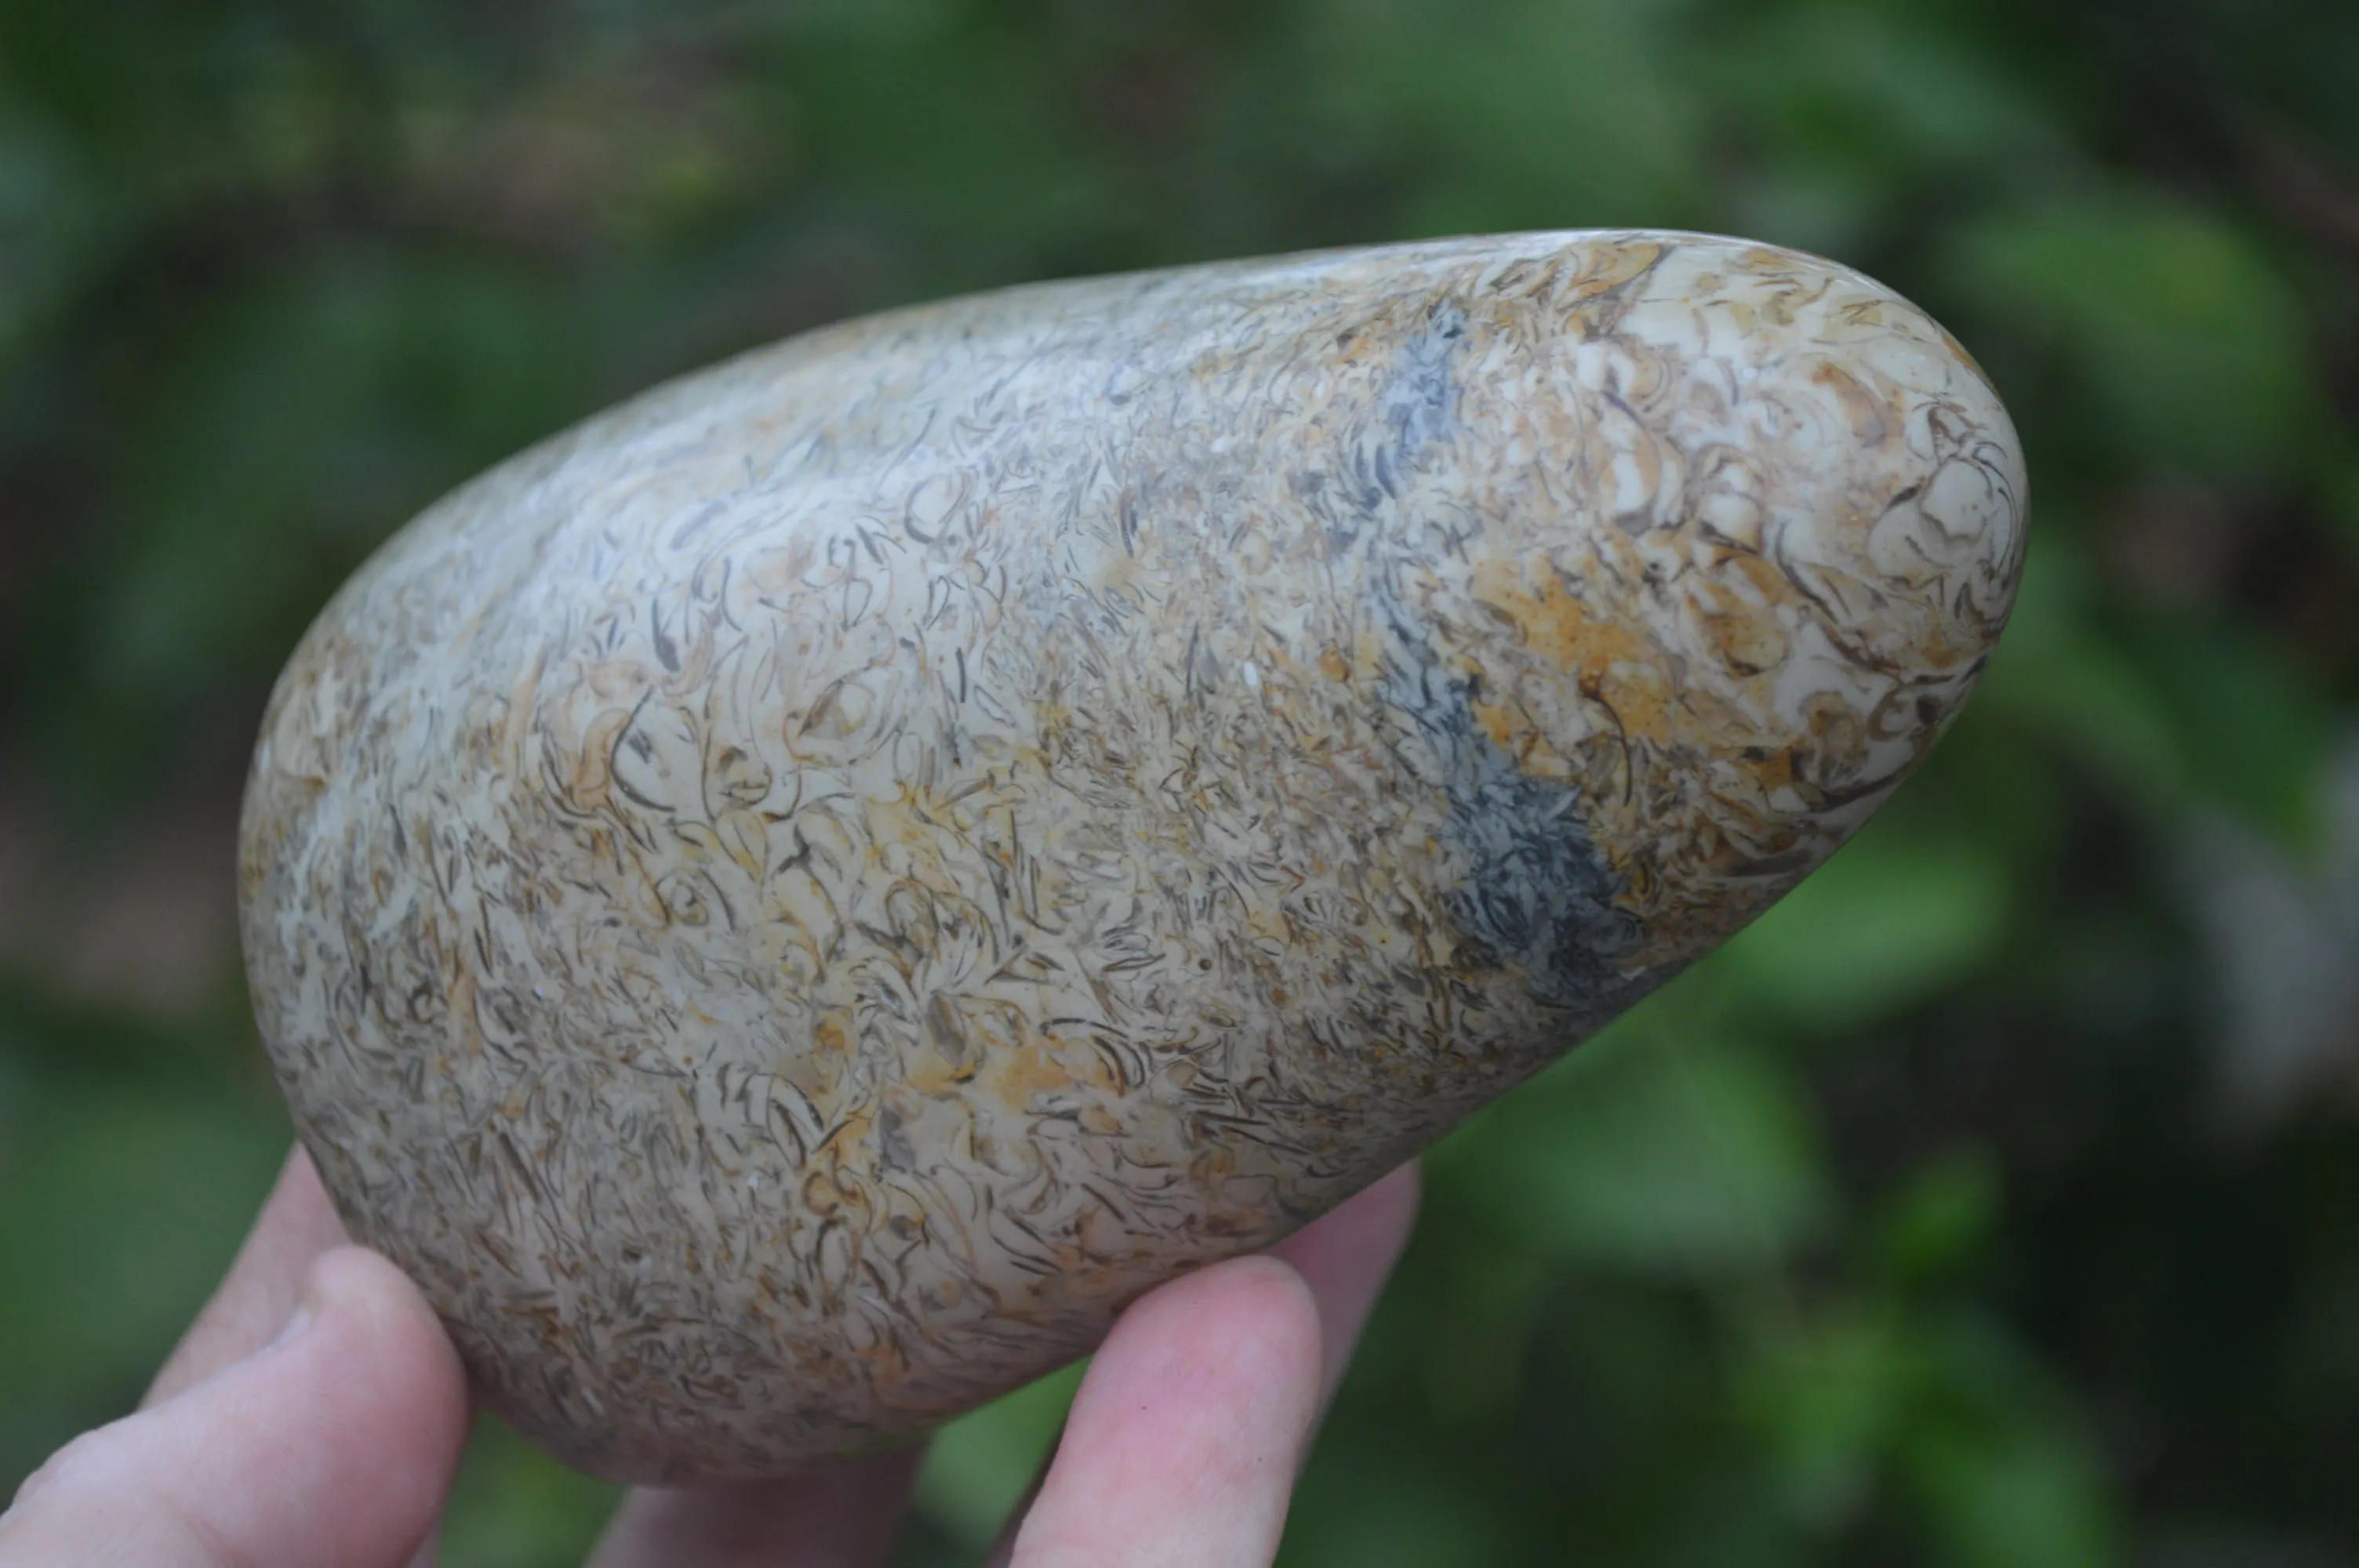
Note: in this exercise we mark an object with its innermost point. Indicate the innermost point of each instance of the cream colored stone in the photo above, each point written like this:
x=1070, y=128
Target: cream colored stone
x=786, y=906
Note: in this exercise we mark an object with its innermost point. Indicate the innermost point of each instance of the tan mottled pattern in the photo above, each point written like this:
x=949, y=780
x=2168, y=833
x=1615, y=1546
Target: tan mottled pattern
x=787, y=905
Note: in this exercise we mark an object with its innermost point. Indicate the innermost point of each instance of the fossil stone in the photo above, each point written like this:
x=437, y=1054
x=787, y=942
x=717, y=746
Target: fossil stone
x=786, y=906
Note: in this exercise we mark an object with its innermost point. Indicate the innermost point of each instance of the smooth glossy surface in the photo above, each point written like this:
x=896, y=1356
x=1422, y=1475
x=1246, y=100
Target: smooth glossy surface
x=787, y=905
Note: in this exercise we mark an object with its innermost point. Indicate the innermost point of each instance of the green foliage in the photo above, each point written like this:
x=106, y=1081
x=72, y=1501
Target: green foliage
x=1913, y=1228
x=1667, y=1158
x=515, y=1507
x=978, y=1467
x=2192, y=345
x=125, y=1198
x=1889, y=921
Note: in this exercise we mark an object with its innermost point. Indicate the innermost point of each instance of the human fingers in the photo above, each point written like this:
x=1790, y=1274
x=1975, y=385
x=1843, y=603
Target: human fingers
x=1345, y=1256
x=1184, y=1442
x=849, y=1514
x=843, y=1515
x=332, y=1443
x=297, y=1224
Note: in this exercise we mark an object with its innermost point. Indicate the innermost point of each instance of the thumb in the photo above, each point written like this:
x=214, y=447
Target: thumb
x=335, y=1443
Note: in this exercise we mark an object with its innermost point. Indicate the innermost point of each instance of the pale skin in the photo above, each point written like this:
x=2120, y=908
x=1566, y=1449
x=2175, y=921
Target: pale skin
x=314, y=1414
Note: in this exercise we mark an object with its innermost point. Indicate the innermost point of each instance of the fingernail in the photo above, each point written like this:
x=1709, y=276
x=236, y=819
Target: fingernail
x=297, y=1322
x=175, y=1385
x=301, y=1318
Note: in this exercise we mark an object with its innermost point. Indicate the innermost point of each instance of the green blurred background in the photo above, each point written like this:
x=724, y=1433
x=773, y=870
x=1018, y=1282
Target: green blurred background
x=1994, y=1202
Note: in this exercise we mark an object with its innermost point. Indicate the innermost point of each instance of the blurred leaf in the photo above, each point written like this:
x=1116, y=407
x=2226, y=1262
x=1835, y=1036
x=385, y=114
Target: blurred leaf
x=1476, y=1362
x=1887, y=923
x=123, y=1207
x=2005, y=1476
x=2339, y=484
x=1368, y=1508
x=946, y=122
x=56, y=217
x=978, y=1466
x=1674, y=1160
x=1850, y=108
x=2253, y=732
x=2191, y=339
x=513, y=1507
x=1829, y=1402
x=1549, y=114
x=2219, y=1543
x=2019, y=1496
x=336, y=402
x=1948, y=1406
x=1936, y=1224
x=2056, y=672
x=2162, y=707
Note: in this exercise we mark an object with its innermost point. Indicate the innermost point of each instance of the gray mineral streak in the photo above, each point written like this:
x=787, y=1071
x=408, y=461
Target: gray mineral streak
x=786, y=906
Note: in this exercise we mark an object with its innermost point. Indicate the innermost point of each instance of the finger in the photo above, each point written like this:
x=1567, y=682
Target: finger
x=845, y=1516
x=297, y=1224
x=1345, y=1256
x=1184, y=1442
x=332, y=1444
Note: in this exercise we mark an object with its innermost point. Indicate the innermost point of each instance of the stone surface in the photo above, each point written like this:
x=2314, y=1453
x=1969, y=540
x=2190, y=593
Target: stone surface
x=786, y=906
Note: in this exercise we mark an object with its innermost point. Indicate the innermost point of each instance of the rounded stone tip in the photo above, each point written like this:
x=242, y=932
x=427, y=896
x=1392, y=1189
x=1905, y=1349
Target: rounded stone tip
x=1754, y=522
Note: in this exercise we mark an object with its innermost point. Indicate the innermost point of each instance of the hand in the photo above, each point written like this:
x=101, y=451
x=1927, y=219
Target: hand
x=315, y=1412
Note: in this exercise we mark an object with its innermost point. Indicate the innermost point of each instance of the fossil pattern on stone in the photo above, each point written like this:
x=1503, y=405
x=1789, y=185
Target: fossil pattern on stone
x=786, y=906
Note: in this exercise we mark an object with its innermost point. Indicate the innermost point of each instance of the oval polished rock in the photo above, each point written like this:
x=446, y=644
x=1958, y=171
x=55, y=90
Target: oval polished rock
x=786, y=906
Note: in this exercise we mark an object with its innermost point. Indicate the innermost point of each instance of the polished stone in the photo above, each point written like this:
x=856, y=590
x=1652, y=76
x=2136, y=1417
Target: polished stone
x=787, y=905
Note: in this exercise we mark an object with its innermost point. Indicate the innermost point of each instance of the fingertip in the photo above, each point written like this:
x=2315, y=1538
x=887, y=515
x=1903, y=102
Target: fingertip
x=356, y=1286
x=1263, y=1276
x=1370, y=1225
x=300, y=1188
x=385, y=1342
x=1401, y=1191
x=1250, y=1318
x=1346, y=1255
x=333, y=1442
x=1189, y=1426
